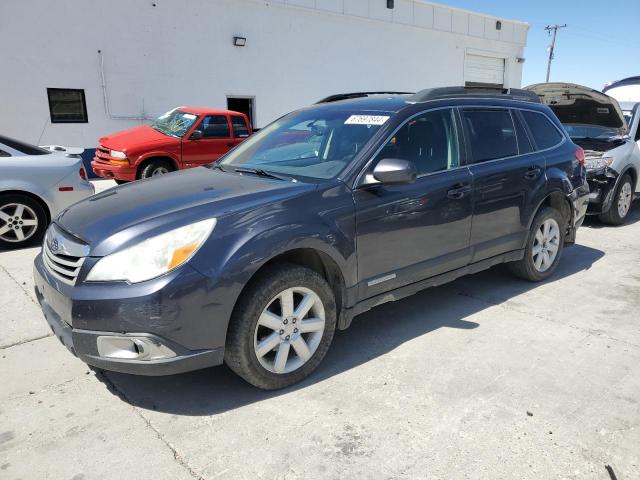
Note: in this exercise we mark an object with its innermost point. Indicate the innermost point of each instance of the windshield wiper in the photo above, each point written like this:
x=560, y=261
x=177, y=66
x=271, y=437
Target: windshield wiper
x=261, y=173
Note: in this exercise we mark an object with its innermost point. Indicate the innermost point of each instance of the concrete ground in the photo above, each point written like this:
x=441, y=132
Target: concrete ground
x=487, y=377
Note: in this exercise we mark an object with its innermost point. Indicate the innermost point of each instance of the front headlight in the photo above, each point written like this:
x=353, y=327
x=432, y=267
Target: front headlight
x=597, y=163
x=154, y=256
x=117, y=154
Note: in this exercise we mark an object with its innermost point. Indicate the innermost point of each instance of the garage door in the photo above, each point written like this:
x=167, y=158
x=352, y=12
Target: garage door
x=481, y=70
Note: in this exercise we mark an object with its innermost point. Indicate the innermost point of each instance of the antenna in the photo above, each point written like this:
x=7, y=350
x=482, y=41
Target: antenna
x=552, y=47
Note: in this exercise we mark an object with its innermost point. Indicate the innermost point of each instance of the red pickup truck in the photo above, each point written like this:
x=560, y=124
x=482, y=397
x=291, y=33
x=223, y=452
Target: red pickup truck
x=182, y=138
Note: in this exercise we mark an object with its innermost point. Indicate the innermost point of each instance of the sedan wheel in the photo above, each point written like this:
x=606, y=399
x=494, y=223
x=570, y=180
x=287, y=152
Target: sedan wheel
x=18, y=223
x=289, y=330
x=545, y=245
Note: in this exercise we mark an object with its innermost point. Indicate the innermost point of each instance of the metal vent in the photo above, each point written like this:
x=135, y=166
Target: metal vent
x=63, y=257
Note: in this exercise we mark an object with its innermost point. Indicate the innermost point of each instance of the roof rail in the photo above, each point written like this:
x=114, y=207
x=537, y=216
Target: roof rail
x=476, y=92
x=346, y=96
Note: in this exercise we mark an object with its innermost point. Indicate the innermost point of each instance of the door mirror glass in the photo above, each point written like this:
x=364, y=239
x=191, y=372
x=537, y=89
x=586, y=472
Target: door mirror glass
x=394, y=171
x=196, y=135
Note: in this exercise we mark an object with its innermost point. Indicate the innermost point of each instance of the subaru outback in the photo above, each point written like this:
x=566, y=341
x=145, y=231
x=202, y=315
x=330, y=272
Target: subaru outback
x=257, y=259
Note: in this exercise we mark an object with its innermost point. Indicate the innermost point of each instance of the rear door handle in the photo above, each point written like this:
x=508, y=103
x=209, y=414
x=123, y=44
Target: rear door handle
x=459, y=191
x=533, y=172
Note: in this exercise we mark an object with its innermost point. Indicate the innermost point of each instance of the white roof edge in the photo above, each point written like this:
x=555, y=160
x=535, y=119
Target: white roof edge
x=471, y=12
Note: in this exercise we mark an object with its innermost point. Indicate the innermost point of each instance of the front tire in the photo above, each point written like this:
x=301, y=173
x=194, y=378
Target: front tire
x=23, y=221
x=544, y=247
x=156, y=168
x=621, y=203
x=282, y=327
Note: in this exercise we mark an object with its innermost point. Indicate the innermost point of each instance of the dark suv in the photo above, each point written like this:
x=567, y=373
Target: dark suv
x=329, y=211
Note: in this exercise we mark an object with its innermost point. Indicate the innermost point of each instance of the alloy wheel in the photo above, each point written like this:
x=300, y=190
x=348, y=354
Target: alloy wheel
x=18, y=222
x=546, y=244
x=289, y=330
x=159, y=171
x=624, y=200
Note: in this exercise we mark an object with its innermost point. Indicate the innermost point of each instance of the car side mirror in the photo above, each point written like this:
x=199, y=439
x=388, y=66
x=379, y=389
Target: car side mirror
x=395, y=171
x=196, y=135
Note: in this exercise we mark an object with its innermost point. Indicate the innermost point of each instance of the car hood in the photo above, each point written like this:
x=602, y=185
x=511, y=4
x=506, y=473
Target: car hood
x=135, y=137
x=579, y=105
x=114, y=217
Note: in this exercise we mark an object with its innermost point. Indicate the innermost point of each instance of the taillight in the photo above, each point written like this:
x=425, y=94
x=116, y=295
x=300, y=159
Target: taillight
x=83, y=173
x=580, y=155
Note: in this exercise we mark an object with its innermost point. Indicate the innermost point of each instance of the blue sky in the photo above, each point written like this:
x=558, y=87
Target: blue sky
x=601, y=42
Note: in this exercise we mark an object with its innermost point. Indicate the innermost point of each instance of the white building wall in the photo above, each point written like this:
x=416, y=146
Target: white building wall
x=180, y=52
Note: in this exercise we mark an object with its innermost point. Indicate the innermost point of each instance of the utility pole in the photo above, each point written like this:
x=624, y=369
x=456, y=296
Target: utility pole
x=555, y=28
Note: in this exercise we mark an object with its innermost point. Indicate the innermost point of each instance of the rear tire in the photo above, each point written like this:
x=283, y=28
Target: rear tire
x=23, y=221
x=121, y=182
x=544, y=247
x=264, y=344
x=621, y=203
x=156, y=168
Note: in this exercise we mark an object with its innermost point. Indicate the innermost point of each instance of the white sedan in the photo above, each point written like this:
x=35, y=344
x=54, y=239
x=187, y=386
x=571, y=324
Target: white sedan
x=35, y=185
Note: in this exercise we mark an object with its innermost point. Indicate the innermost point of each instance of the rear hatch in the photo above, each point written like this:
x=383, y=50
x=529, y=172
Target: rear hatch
x=593, y=120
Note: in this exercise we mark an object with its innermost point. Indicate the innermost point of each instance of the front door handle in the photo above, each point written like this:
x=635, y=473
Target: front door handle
x=459, y=191
x=533, y=173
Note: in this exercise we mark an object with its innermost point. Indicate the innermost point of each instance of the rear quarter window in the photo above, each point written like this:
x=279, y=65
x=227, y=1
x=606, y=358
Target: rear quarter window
x=544, y=132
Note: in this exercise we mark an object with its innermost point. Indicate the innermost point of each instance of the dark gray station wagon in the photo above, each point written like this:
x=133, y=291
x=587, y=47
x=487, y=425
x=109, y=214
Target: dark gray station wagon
x=329, y=211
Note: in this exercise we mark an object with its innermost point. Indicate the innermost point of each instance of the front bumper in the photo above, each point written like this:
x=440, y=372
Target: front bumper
x=602, y=183
x=109, y=170
x=68, y=319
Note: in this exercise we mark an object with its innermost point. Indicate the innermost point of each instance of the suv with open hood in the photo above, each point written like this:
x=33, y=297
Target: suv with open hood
x=609, y=137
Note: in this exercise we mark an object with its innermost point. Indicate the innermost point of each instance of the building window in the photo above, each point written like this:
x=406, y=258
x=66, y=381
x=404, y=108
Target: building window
x=67, y=105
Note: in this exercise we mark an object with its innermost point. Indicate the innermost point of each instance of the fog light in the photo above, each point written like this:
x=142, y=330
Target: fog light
x=133, y=348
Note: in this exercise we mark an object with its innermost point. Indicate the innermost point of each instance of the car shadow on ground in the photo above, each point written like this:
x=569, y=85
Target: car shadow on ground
x=372, y=334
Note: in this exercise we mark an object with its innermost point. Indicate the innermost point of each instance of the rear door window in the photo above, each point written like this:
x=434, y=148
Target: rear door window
x=544, y=133
x=240, y=129
x=491, y=134
x=215, y=126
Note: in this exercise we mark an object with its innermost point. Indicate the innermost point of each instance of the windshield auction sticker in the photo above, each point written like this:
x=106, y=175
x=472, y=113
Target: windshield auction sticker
x=366, y=120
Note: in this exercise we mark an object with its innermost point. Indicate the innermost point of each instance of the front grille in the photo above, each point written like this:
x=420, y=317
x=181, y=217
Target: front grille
x=64, y=267
x=103, y=153
x=65, y=263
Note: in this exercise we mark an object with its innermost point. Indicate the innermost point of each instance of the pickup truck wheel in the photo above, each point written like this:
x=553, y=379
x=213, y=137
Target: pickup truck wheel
x=281, y=327
x=23, y=221
x=621, y=203
x=155, y=168
x=544, y=247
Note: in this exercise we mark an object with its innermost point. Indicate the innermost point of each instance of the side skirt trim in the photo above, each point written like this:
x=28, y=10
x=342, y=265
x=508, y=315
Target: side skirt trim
x=408, y=290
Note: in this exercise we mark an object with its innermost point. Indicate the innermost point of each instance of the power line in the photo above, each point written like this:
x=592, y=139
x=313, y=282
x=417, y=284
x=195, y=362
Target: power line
x=552, y=47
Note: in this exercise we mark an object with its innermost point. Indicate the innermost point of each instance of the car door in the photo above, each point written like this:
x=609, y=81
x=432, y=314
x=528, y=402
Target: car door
x=216, y=140
x=409, y=232
x=506, y=176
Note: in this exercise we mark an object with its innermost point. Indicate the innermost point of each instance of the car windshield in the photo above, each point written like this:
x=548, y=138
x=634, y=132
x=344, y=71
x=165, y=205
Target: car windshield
x=592, y=131
x=312, y=145
x=174, y=123
x=22, y=147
